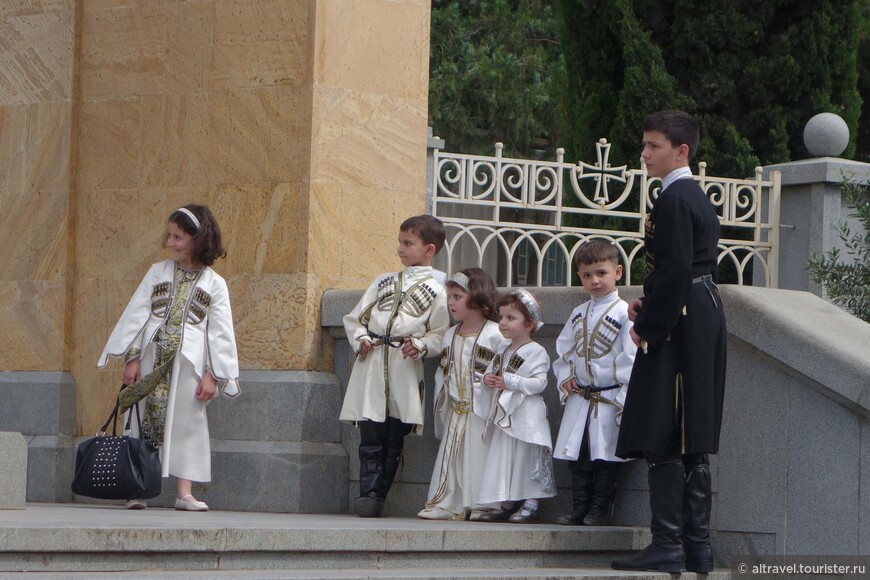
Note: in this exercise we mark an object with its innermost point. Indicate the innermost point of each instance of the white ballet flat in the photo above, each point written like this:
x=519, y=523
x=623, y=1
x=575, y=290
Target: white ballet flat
x=435, y=513
x=190, y=506
x=135, y=504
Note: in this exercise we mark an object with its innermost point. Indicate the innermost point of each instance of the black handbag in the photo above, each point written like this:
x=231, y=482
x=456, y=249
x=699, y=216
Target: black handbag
x=112, y=467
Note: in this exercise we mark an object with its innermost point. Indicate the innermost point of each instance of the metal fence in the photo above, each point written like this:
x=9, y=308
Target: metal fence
x=522, y=219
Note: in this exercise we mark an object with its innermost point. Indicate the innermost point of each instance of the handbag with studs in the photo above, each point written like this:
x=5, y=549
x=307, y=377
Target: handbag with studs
x=113, y=467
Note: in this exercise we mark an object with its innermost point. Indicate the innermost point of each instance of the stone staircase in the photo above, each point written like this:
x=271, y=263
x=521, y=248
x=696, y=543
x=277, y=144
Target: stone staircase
x=106, y=541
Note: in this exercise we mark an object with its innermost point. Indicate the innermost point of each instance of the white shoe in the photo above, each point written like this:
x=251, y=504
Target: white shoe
x=190, y=506
x=435, y=513
x=135, y=504
x=476, y=513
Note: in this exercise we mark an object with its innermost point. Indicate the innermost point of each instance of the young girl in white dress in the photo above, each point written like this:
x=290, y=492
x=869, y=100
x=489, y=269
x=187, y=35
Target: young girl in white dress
x=176, y=335
x=467, y=349
x=519, y=465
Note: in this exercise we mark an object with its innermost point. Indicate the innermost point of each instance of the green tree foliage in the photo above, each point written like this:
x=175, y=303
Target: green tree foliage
x=847, y=281
x=494, y=65
x=752, y=71
x=862, y=152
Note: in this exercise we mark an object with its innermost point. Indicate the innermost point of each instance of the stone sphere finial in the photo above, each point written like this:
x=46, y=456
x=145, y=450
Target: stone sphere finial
x=826, y=135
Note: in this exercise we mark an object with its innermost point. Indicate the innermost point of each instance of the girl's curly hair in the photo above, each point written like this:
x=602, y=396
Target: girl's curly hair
x=207, y=240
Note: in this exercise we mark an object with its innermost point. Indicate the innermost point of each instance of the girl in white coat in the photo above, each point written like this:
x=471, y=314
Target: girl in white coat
x=519, y=464
x=176, y=335
x=466, y=350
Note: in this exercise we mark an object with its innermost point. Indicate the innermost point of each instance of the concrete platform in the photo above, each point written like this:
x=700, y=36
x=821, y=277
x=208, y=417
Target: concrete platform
x=75, y=541
x=405, y=574
x=71, y=538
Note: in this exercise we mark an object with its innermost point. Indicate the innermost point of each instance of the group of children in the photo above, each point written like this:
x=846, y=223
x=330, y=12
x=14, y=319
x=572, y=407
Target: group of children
x=494, y=461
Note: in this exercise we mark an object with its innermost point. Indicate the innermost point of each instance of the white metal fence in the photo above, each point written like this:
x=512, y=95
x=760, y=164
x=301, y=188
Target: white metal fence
x=522, y=219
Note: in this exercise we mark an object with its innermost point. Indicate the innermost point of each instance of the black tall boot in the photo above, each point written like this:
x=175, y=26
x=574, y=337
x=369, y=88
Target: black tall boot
x=603, y=490
x=581, y=490
x=396, y=432
x=697, y=502
x=370, y=503
x=665, y=553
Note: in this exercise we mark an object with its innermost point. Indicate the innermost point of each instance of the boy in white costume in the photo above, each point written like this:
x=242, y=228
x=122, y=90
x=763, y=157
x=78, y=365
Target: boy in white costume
x=400, y=319
x=519, y=465
x=595, y=357
x=176, y=335
x=467, y=349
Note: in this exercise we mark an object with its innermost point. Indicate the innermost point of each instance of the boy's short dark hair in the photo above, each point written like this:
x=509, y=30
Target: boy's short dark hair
x=593, y=251
x=428, y=228
x=679, y=127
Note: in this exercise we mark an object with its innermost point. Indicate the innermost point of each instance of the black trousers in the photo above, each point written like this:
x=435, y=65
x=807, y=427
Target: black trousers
x=389, y=435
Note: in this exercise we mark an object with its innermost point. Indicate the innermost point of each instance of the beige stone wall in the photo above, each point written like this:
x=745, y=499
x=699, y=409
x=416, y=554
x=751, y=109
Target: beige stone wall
x=36, y=88
x=301, y=123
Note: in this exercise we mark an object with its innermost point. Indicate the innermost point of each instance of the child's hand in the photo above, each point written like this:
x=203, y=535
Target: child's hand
x=132, y=371
x=634, y=308
x=409, y=350
x=571, y=387
x=207, y=389
x=365, y=347
x=635, y=337
x=494, y=381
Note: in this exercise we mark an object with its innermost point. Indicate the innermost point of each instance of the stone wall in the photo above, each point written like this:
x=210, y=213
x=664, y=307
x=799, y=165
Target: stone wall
x=301, y=124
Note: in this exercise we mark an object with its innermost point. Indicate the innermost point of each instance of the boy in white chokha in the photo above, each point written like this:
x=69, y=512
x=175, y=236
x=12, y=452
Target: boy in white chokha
x=595, y=357
x=466, y=351
x=519, y=468
x=400, y=319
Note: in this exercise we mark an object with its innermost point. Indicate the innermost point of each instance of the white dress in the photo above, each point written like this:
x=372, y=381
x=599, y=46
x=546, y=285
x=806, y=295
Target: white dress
x=412, y=304
x=461, y=454
x=595, y=348
x=207, y=344
x=519, y=463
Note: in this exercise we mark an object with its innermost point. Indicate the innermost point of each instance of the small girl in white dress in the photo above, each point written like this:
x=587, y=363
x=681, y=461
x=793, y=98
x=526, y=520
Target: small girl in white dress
x=466, y=351
x=519, y=465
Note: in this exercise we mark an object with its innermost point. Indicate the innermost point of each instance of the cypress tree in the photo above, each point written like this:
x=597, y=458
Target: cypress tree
x=753, y=72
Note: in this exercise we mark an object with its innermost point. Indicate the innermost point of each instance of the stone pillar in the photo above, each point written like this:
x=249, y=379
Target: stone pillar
x=810, y=208
x=301, y=124
x=811, y=202
x=13, y=470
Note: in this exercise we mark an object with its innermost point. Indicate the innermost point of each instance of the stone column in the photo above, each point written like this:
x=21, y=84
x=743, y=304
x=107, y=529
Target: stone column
x=811, y=206
x=300, y=123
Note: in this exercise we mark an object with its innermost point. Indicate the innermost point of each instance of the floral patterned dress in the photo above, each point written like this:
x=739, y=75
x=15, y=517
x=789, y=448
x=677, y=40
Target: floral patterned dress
x=167, y=339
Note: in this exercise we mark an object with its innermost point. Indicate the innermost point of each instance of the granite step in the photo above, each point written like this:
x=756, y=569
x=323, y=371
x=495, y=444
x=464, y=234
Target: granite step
x=105, y=541
x=402, y=573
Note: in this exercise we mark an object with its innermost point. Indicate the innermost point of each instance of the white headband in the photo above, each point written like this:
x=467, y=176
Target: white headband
x=531, y=305
x=460, y=280
x=192, y=217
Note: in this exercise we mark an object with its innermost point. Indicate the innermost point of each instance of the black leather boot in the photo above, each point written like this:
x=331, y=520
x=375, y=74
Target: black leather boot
x=697, y=502
x=370, y=502
x=395, y=443
x=603, y=490
x=581, y=490
x=665, y=553
x=391, y=467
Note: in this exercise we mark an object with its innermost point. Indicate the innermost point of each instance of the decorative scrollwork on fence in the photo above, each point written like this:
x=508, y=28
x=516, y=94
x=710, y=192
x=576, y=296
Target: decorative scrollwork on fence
x=523, y=219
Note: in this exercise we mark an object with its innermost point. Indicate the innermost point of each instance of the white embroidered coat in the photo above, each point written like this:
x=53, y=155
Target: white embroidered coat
x=412, y=304
x=462, y=452
x=207, y=342
x=599, y=328
x=519, y=410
